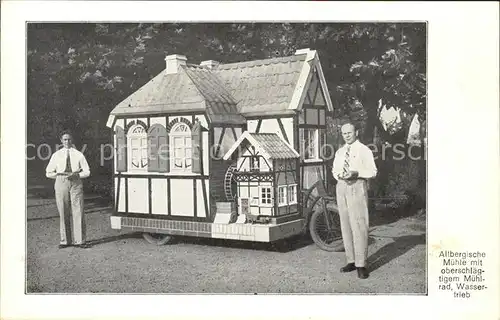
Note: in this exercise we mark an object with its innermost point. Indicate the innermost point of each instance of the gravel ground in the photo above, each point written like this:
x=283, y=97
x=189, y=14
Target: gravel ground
x=122, y=262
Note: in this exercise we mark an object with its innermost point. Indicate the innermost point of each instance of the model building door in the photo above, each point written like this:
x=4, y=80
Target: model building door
x=245, y=206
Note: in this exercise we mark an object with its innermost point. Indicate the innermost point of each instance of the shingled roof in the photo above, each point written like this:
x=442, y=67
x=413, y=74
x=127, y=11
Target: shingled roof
x=270, y=145
x=163, y=93
x=193, y=89
x=220, y=105
x=262, y=86
x=226, y=92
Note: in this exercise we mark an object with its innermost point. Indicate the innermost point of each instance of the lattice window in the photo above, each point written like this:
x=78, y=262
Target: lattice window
x=138, y=148
x=310, y=144
x=282, y=198
x=180, y=147
x=266, y=196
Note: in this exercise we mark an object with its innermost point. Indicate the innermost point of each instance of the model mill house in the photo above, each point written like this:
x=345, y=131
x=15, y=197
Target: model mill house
x=221, y=150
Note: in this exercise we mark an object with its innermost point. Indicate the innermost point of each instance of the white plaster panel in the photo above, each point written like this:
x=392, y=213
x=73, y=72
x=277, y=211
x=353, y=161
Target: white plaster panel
x=182, y=197
x=138, y=195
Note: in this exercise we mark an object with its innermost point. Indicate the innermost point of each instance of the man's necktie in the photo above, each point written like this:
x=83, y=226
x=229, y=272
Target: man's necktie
x=68, y=163
x=345, y=171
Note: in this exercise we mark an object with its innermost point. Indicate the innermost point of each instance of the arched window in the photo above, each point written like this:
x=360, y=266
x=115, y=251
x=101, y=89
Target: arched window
x=180, y=148
x=137, y=148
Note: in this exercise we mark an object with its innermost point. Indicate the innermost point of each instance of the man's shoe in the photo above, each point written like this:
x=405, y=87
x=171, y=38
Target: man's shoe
x=348, y=267
x=83, y=245
x=362, y=273
x=62, y=246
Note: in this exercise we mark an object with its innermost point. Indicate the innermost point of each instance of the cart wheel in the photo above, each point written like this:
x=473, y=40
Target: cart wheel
x=325, y=239
x=311, y=204
x=158, y=239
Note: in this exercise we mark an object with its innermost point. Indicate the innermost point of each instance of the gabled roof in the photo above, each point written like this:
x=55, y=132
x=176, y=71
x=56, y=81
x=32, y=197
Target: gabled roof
x=229, y=92
x=163, y=93
x=263, y=86
x=192, y=89
x=269, y=145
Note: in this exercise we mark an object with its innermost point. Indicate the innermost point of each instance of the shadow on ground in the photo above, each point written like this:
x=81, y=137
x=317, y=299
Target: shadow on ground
x=133, y=235
x=393, y=250
x=281, y=246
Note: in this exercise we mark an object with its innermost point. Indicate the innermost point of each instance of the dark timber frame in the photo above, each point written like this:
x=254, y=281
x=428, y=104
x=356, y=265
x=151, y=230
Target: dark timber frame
x=271, y=174
x=189, y=119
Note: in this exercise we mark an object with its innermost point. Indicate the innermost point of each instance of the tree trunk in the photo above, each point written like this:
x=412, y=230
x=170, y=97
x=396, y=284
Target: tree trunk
x=370, y=104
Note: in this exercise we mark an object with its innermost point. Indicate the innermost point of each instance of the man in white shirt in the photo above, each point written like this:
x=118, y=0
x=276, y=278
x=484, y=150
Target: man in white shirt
x=68, y=167
x=353, y=165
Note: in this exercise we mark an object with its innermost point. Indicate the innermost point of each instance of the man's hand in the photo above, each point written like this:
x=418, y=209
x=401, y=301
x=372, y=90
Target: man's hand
x=73, y=176
x=354, y=174
x=351, y=175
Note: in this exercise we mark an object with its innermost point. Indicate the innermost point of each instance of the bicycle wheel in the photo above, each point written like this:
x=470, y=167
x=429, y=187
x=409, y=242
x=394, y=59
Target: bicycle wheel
x=158, y=239
x=328, y=239
x=311, y=204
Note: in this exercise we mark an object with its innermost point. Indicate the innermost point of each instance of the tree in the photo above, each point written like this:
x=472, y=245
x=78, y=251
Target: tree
x=396, y=77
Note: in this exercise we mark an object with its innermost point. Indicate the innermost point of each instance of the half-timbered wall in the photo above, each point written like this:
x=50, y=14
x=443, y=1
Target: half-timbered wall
x=311, y=123
x=243, y=162
x=283, y=174
x=251, y=190
x=169, y=195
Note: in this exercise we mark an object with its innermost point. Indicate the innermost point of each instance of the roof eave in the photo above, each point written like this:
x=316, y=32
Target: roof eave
x=248, y=136
x=142, y=110
x=255, y=114
x=312, y=60
x=304, y=78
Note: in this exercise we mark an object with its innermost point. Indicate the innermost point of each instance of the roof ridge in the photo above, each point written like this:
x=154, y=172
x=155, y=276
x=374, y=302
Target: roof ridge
x=219, y=83
x=194, y=83
x=196, y=66
x=260, y=62
x=264, y=133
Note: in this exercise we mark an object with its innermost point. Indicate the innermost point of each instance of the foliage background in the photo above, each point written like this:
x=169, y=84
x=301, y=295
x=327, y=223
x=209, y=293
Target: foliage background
x=78, y=72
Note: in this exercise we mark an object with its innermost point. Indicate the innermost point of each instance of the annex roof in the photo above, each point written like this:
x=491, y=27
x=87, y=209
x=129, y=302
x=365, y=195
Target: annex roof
x=270, y=145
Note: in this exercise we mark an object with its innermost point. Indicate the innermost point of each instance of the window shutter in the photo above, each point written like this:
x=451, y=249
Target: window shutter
x=196, y=148
x=164, y=153
x=153, y=149
x=302, y=144
x=158, y=149
x=121, y=149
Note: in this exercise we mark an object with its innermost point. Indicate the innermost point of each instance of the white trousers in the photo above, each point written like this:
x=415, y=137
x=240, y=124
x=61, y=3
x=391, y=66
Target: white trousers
x=69, y=199
x=352, y=201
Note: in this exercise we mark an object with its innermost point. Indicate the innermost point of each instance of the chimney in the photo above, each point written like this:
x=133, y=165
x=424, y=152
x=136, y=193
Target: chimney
x=209, y=64
x=174, y=62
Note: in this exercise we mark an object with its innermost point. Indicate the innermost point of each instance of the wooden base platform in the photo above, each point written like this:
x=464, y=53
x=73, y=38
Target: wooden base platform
x=233, y=231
